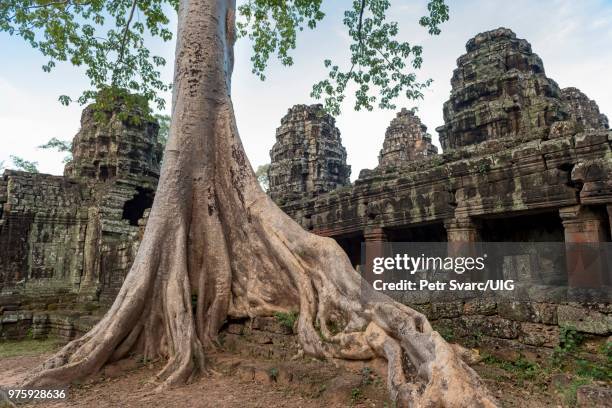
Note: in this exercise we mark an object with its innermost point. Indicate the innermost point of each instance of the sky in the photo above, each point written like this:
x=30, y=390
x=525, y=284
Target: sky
x=573, y=38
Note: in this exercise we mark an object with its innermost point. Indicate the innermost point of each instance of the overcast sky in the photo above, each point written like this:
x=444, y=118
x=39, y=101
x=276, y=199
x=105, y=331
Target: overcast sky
x=573, y=38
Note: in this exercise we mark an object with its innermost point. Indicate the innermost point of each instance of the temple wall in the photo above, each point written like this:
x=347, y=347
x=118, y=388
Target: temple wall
x=42, y=232
x=67, y=243
x=523, y=161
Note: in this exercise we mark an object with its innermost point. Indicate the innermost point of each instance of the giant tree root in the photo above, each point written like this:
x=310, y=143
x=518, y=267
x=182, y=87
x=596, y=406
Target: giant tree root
x=215, y=235
x=152, y=315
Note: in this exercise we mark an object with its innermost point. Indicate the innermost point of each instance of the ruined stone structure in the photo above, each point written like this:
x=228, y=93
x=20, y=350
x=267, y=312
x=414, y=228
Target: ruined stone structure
x=584, y=110
x=308, y=157
x=499, y=90
x=406, y=140
x=523, y=161
x=66, y=243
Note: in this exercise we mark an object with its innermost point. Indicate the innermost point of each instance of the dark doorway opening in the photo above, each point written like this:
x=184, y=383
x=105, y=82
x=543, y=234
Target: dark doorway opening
x=351, y=244
x=134, y=209
x=540, y=227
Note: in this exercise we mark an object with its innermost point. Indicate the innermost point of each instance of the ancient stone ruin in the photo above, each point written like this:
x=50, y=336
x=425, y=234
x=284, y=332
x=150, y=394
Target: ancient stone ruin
x=523, y=161
x=308, y=157
x=66, y=243
x=584, y=110
x=499, y=90
x=406, y=140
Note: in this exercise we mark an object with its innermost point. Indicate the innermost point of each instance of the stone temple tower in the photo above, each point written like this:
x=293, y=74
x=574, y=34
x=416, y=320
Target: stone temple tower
x=406, y=140
x=499, y=89
x=583, y=110
x=108, y=146
x=308, y=157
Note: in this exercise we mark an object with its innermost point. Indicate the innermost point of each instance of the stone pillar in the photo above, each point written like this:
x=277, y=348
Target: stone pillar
x=462, y=230
x=374, y=240
x=462, y=234
x=609, y=208
x=584, y=230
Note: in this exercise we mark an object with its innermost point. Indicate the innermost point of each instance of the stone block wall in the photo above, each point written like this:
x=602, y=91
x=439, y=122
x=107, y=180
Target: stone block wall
x=66, y=243
x=42, y=231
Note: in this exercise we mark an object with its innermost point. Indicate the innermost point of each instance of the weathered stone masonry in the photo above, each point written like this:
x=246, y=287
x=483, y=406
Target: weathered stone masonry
x=66, y=243
x=523, y=161
x=308, y=157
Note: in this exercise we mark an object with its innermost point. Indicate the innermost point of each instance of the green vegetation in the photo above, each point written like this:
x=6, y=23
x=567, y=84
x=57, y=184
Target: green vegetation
x=569, y=391
x=356, y=395
x=366, y=376
x=61, y=146
x=521, y=368
x=287, y=319
x=565, y=360
x=112, y=41
x=447, y=333
x=273, y=373
x=107, y=38
x=28, y=347
x=164, y=128
x=569, y=341
x=24, y=165
x=483, y=167
x=129, y=107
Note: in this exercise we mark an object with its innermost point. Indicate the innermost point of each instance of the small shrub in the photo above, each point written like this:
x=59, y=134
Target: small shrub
x=447, y=333
x=569, y=341
x=366, y=376
x=334, y=327
x=474, y=339
x=483, y=167
x=287, y=319
x=356, y=395
x=273, y=373
x=522, y=368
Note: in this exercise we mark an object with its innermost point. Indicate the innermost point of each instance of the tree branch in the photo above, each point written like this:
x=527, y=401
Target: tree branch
x=360, y=26
x=126, y=32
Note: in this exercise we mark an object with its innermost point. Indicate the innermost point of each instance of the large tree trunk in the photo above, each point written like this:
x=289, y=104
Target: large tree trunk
x=214, y=234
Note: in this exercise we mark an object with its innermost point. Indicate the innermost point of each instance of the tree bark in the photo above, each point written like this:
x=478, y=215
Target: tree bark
x=214, y=235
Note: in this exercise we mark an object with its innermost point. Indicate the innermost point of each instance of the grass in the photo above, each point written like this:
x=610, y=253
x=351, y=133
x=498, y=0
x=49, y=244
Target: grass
x=522, y=369
x=564, y=361
x=27, y=347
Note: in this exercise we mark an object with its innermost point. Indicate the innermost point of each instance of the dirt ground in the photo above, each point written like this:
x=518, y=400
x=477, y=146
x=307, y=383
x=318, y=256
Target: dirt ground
x=236, y=381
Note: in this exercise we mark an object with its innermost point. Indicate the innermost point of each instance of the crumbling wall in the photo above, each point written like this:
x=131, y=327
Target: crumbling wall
x=67, y=243
x=42, y=230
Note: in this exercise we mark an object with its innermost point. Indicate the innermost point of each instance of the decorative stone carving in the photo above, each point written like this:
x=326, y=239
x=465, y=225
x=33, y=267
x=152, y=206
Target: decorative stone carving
x=499, y=89
x=308, y=157
x=406, y=140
